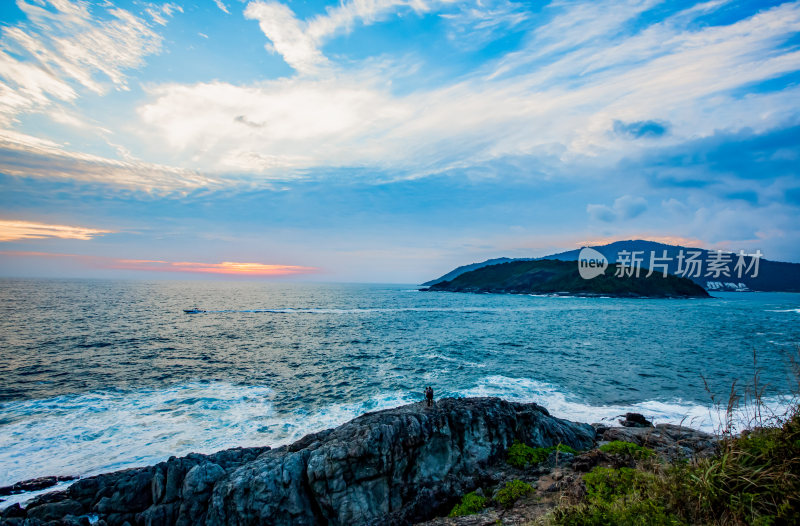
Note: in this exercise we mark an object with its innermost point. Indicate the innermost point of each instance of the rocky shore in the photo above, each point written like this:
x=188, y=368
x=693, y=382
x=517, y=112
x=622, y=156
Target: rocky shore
x=399, y=466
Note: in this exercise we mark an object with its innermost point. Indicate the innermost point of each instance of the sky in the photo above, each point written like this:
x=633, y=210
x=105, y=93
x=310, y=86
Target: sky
x=389, y=140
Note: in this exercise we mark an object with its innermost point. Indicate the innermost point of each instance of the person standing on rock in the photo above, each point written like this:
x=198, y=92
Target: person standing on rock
x=429, y=395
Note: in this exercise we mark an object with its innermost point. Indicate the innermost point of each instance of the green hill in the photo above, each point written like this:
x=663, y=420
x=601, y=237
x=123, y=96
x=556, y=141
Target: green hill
x=552, y=276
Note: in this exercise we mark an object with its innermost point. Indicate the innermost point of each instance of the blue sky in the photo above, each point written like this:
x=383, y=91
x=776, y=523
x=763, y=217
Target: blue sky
x=389, y=140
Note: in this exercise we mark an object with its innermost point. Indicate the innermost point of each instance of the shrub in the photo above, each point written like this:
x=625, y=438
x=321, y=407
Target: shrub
x=628, y=449
x=608, y=484
x=470, y=504
x=511, y=492
x=755, y=479
x=520, y=455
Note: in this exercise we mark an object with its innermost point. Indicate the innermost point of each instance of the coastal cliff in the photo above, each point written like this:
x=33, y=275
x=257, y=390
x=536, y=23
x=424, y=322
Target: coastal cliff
x=397, y=466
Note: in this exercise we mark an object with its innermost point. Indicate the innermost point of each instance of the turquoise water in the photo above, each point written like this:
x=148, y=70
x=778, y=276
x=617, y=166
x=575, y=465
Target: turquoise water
x=98, y=375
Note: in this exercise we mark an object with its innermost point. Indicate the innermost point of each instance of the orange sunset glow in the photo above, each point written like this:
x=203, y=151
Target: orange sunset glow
x=229, y=268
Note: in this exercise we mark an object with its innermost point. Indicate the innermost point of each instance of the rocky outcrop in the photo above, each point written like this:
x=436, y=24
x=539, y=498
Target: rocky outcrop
x=33, y=485
x=389, y=467
x=669, y=440
x=635, y=420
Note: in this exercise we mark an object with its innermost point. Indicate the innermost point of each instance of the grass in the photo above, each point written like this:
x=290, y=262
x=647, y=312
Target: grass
x=512, y=492
x=521, y=455
x=470, y=504
x=627, y=449
x=754, y=479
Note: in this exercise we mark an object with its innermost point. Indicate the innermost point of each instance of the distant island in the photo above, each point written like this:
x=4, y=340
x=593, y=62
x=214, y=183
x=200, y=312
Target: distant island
x=553, y=276
x=771, y=276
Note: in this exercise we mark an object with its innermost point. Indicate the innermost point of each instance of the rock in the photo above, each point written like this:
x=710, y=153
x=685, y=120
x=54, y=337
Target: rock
x=670, y=440
x=196, y=491
x=635, y=420
x=33, y=484
x=15, y=510
x=389, y=467
x=600, y=428
x=587, y=461
x=149, y=495
x=559, y=458
x=55, y=510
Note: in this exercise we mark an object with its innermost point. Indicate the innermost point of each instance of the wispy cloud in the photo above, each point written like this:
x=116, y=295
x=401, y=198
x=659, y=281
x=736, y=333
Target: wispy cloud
x=11, y=230
x=64, y=47
x=299, y=41
x=590, y=72
x=227, y=268
x=221, y=5
x=26, y=156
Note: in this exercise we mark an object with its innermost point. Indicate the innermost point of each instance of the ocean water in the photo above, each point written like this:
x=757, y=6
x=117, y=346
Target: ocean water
x=101, y=375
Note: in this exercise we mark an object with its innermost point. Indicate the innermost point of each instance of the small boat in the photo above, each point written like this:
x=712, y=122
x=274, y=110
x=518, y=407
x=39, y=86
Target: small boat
x=195, y=310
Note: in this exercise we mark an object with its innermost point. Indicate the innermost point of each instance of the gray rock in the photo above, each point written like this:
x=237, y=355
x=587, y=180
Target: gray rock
x=55, y=510
x=33, y=485
x=670, y=440
x=635, y=420
x=389, y=467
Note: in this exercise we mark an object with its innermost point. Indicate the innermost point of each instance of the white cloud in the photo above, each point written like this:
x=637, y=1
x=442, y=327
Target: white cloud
x=26, y=156
x=565, y=108
x=298, y=42
x=62, y=47
x=473, y=25
x=222, y=6
x=288, y=35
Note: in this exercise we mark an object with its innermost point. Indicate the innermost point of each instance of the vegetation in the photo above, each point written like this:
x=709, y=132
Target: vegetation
x=553, y=276
x=470, y=504
x=754, y=479
x=511, y=492
x=627, y=449
x=521, y=455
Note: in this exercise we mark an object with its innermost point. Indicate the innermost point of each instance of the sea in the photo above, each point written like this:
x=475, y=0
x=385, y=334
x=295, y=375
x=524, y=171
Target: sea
x=100, y=375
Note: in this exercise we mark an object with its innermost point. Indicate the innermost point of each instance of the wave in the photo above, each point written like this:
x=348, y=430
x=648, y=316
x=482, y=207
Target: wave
x=97, y=432
x=784, y=310
x=565, y=405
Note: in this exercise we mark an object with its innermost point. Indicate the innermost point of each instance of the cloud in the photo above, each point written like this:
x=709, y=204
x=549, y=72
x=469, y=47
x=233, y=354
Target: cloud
x=222, y=6
x=298, y=41
x=63, y=47
x=227, y=268
x=11, y=230
x=590, y=73
x=625, y=207
x=473, y=25
x=287, y=34
x=640, y=129
x=26, y=156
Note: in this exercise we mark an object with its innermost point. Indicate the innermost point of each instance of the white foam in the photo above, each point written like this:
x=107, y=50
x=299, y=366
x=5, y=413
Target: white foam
x=562, y=405
x=784, y=310
x=98, y=432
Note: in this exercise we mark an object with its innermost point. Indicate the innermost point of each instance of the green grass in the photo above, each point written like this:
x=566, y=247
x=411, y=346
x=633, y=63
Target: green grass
x=755, y=479
x=627, y=449
x=511, y=492
x=520, y=455
x=470, y=504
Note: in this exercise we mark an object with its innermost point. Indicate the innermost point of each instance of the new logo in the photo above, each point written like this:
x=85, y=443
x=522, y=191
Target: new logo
x=591, y=263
